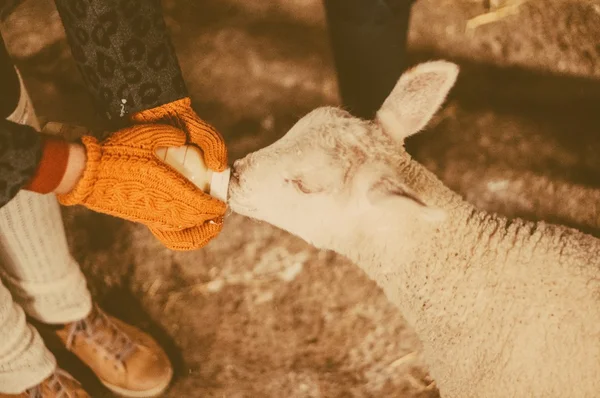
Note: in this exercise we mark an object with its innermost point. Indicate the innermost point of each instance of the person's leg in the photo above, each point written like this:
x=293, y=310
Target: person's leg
x=37, y=267
x=36, y=264
x=368, y=39
x=24, y=360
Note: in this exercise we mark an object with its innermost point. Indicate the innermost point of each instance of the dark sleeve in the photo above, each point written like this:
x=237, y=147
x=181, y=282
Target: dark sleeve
x=124, y=53
x=20, y=154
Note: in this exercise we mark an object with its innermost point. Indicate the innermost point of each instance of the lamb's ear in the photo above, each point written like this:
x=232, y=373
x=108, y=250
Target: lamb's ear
x=418, y=94
x=387, y=190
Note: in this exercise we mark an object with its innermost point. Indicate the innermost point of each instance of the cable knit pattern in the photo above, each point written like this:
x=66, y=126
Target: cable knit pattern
x=127, y=61
x=180, y=114
x=191, y=238
x=124, y=178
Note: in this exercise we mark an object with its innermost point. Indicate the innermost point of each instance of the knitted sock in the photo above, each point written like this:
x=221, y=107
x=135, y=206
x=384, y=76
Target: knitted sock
x=36, y=265
x=24, y=359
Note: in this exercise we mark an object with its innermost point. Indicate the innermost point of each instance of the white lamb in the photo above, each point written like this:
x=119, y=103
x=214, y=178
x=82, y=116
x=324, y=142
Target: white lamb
x=504, y=308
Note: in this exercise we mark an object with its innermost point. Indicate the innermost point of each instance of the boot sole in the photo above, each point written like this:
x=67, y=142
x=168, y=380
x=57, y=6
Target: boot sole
x=152, y=393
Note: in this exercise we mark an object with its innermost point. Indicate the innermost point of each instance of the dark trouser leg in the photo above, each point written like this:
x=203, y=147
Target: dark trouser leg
x=368, y=39
x=9, y=83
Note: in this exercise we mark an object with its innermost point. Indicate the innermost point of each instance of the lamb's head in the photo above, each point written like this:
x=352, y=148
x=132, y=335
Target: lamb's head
x=331, y=170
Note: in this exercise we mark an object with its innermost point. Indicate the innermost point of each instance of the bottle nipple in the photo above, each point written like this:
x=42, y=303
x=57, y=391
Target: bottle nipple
x=188, y=160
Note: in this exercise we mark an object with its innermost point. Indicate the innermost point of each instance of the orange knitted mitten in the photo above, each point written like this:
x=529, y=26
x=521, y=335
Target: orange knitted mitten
x=123, y=177
x=180, y=114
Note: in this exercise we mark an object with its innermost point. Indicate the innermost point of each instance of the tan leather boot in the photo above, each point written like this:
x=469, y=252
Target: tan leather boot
x=126, y=360
x=59, y=385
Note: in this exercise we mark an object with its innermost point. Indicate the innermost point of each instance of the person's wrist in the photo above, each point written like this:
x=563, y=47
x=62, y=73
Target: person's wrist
x=74, y=170
x=51, y=166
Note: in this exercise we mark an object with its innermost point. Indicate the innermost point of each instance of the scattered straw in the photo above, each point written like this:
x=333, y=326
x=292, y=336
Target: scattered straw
x=172, y=299
x=408, y=358
x=503, y=10
x=154, y=287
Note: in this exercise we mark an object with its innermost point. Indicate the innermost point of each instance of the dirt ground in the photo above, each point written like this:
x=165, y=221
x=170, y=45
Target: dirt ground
x=259, y=313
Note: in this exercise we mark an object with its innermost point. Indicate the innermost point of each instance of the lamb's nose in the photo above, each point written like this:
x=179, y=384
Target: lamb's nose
x=237, y=166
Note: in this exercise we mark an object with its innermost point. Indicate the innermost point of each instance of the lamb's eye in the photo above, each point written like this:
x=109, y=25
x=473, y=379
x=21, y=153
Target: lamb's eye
x=299, y=185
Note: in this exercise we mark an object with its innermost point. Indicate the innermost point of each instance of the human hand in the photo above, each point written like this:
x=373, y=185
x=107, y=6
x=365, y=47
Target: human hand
x=199, y=133
x=123, y=177
x=74, y=170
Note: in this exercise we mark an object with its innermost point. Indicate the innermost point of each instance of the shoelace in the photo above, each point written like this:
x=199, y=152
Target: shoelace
x=98, y=328
x=55, y=383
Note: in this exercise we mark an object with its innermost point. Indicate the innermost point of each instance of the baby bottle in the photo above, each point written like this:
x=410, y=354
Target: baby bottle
x=189, y=161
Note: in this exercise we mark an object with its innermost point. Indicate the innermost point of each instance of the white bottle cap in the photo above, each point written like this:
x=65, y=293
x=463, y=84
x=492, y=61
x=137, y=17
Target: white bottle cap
x=219, y=184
